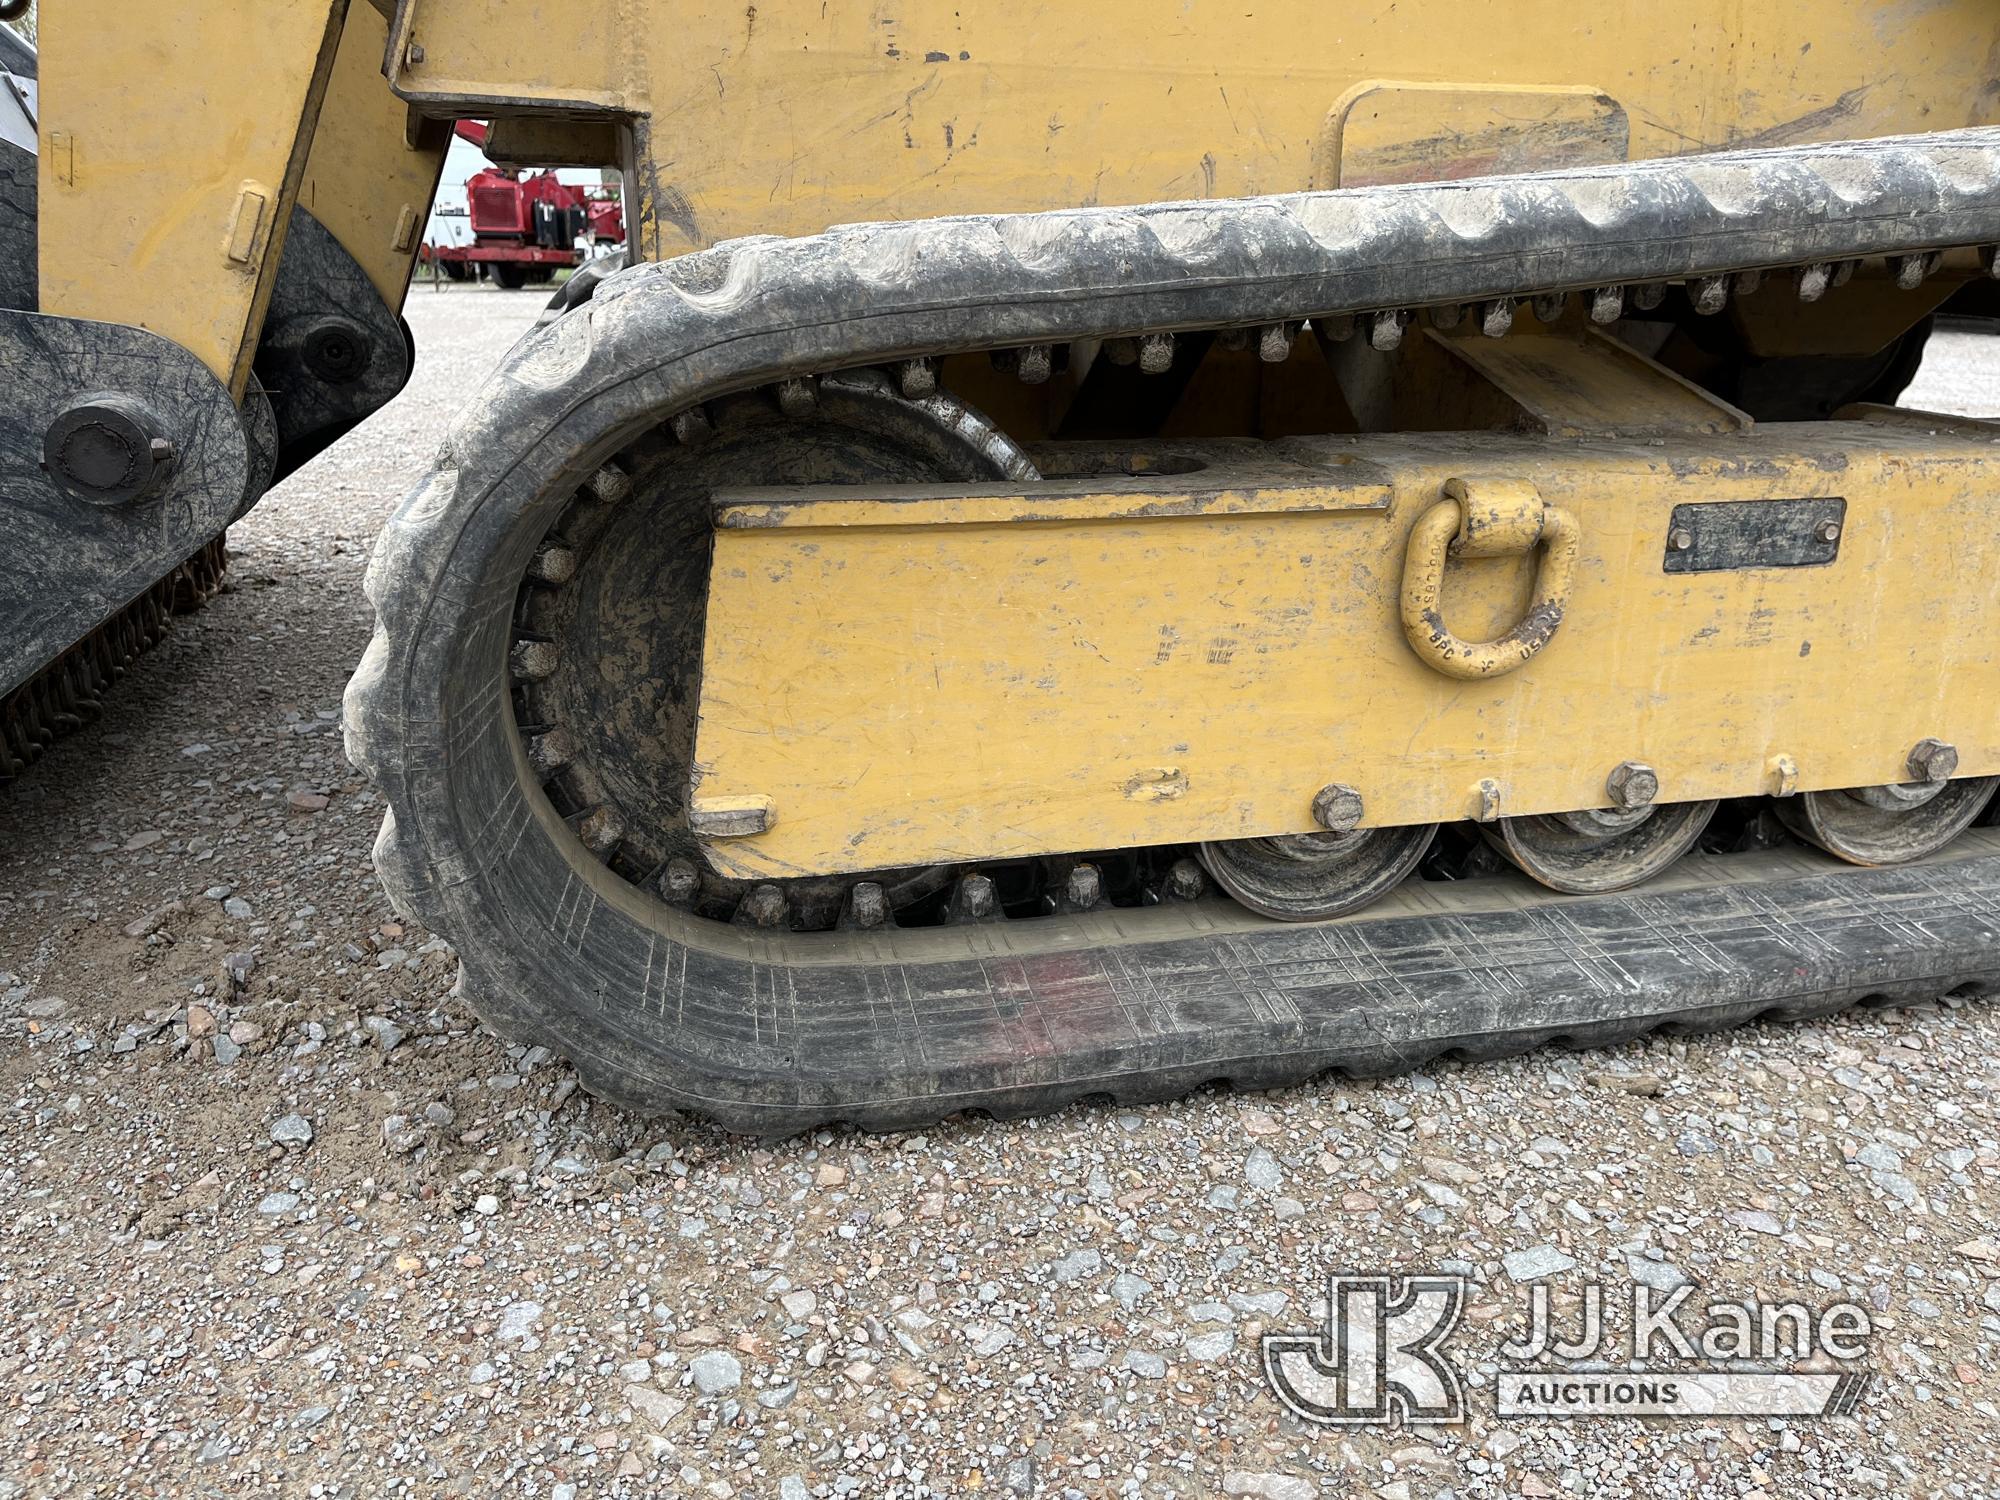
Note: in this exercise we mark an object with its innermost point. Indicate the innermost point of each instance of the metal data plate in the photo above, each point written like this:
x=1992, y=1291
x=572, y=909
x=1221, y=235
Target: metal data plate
x=1732, y=535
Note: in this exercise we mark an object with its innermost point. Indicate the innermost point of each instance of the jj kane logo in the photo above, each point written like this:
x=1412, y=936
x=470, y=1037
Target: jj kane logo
x=1381, y=1357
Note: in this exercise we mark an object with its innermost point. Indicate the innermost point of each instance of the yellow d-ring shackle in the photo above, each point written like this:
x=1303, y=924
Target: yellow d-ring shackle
x=1486, y=518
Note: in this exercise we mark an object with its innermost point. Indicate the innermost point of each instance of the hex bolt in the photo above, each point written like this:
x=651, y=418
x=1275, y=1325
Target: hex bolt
x=1037, y=362
x=415, y=54
x=1550, y=306
x=1648, y=295
x=1680, y=539
x=916, y=378
x=1446, y=317
x=1607, y=304
x=1496, y=318
x=1813, y=281
x=1337, y=808
x=1743, y=283
x=1933, y=761
x=1156, y=353
x=1827, y=531
x=1385, y=330
x=1632, y=785
x=1711, y=295
x=1122, y=351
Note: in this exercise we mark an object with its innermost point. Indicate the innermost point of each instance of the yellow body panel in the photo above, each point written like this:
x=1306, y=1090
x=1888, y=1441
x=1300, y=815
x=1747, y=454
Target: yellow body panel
x=916, y=678
x=365, y=180
x=785, y=117
x=174, y=138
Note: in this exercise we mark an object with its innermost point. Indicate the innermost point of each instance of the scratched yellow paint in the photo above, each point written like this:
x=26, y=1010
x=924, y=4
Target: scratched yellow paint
x=932, y=685
x=785, y=116
x=364, y=176
x=170, y=135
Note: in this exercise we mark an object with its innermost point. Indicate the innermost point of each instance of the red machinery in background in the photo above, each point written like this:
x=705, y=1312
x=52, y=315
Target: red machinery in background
x=525, y=226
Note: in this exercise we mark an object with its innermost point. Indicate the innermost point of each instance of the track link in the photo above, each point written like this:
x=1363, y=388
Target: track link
x=68, y=693
x=772, y=1031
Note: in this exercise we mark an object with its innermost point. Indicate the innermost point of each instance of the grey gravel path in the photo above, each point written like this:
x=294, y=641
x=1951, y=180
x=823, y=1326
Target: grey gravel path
x=277, y=1216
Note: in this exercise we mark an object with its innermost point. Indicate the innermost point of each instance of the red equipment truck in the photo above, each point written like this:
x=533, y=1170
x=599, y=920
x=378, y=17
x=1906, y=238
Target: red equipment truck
x=525, y=225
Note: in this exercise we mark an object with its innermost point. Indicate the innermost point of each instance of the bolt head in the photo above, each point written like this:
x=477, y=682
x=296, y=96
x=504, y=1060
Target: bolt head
x=1632, y=785
x=1337, y=808
x=1680, y=539
x=1827, y=531
x=680, y=882
x=1933, y=760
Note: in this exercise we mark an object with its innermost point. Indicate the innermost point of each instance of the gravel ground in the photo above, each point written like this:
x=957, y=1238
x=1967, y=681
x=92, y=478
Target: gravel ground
x=281, y=1217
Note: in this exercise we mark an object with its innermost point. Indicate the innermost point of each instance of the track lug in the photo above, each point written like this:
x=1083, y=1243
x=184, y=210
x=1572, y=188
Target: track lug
x=1549, y=306
x=1274, y=342
x=1334, y=328
x=552, y=565
x=1912, y=269
x=549, y=752
x=916, y=378
x=534, y=661
x=1156, y=353
x=1036, y=364
x=1743, y=283
x=1385, y=329
x=1083, y=889
x=611, y=484
x=974, y=899
x=763, y=907
x=1445, y=317
x=866, y=908
x=601, y=829
x=1710, y=295
x=692, y=428
x=1496, y=318
x=1648, y=295
x=1607, y=304
x=679, y=883
x=798, y=397
x=1184, y=881
x=1814, y=280
x=1122, y=351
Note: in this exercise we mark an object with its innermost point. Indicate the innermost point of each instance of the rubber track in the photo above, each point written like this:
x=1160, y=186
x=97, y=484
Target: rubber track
x=774, y=1033
x=67, y=693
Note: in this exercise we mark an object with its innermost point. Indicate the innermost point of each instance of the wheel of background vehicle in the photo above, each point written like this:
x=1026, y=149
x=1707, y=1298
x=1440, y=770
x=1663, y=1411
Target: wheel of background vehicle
x=1308, y=877
x=509, y=275
x=1887, y=825
x=453, y=269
